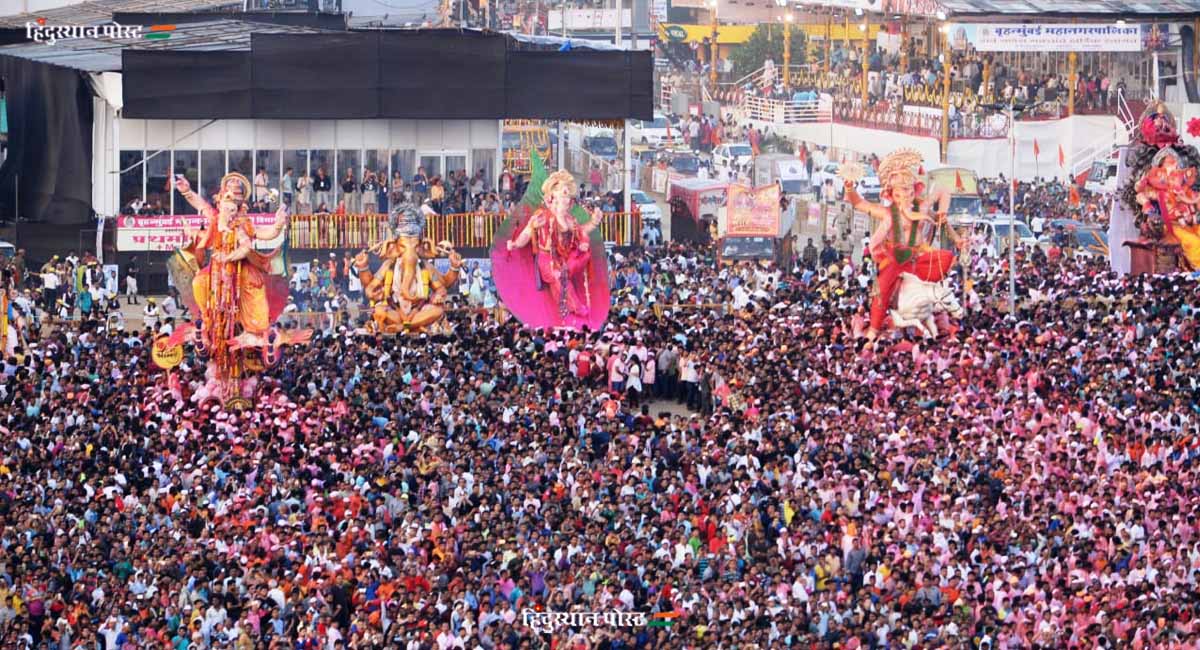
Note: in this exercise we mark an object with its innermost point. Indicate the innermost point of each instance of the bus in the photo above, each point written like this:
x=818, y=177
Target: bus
x=521, y=136
x=965, y=202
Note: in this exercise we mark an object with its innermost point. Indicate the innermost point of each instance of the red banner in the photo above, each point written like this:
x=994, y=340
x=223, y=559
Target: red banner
x=752, y=212
x=165, y=233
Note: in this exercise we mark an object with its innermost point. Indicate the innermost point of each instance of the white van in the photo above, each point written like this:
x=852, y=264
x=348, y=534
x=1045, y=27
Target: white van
x=7, y=250
x=995, y=233
x=785, y=168
x=654, y=132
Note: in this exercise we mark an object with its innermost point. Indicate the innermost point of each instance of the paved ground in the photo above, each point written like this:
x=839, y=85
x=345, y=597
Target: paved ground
x=670, y=406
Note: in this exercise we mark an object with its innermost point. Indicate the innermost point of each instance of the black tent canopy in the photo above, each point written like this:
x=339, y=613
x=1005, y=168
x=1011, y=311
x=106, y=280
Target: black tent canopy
x=418, y=74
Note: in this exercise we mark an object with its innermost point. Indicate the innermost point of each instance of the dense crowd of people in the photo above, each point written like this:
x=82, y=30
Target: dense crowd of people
x=357, y=191
x=977, y=86
x=1047, y=200
x=1022, y=482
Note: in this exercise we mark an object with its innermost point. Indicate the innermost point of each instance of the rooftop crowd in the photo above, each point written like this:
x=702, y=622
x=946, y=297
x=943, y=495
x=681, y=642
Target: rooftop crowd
x=1024, y=482
x=977, y=88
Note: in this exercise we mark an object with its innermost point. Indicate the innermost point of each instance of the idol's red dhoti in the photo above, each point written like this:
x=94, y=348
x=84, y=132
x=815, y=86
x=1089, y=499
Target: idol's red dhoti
x=930, y=265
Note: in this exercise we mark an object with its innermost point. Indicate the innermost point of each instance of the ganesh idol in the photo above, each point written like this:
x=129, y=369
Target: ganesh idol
x=548, y=272
x=909, y=225
x=407, y=293
x=233, y=293
x=1168, y=188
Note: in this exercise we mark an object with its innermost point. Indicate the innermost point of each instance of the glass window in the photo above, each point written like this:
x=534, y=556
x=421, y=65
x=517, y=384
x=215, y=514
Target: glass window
x=212, y=168
x=322, y=159
x=158, y=182
x=297, y=159
x=188, y=164
x=240, y=161
x=432, y=165
x=267, y=161
x=376, y=160
x=485, y=160
x=347, y=164
x=405, y=162
x=132, y=178
x=456, y=165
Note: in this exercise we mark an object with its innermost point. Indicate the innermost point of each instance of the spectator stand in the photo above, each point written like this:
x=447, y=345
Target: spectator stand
x=472, y=233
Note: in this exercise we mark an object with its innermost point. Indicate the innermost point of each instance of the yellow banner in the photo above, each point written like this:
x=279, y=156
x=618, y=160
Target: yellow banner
x=726, y=34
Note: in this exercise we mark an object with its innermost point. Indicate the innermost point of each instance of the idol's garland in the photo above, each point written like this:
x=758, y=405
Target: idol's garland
x=548, y=622
x=50, y=34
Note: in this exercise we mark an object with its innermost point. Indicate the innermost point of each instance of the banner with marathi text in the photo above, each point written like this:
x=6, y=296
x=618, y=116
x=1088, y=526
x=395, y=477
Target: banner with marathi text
x=752, y=212
x=1048, y=37
x=165, y=233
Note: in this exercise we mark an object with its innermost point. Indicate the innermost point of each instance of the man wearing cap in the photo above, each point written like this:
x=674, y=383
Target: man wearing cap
x=150, y=315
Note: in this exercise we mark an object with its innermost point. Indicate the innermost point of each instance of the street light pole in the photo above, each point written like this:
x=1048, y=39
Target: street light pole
x=787, y=42
x=1012, y=212
x=562, y=140
x=787, y=50
x=712, y=57
x=618, y=34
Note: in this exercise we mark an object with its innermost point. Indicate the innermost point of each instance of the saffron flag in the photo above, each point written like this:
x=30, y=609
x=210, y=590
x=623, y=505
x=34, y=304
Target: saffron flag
x=958, y=183
x=1037, y=151
x=1062, y=160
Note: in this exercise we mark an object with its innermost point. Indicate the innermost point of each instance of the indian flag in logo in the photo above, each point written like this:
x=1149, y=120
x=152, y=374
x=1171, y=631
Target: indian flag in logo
x=663, y=619
x=158, y=32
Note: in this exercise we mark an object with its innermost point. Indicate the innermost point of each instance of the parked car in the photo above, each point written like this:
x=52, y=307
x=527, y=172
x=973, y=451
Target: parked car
x=656, y=131
x=731, y=154
x=646, y=205
x=1083, y=239
x=1092, y=242
x=869, y=187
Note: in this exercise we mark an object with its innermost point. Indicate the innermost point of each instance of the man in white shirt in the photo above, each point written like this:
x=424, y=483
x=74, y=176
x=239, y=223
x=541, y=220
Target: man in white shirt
x=50, y=288
x=169, y=307
x=150, y=315
x=1036, y=224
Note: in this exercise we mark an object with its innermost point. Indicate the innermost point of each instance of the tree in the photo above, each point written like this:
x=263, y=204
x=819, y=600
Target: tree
x=766, y=43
